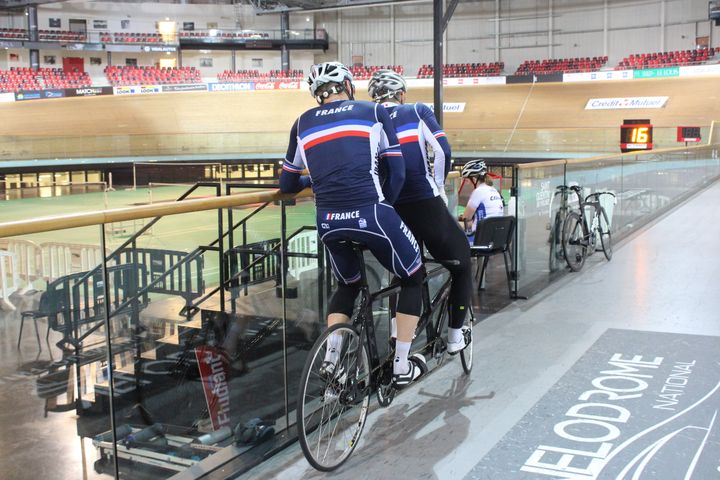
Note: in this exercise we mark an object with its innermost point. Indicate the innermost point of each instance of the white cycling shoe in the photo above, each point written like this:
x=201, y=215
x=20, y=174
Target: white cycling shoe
x=453, y=348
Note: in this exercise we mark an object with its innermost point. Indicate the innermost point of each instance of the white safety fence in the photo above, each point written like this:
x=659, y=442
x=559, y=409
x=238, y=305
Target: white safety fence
x=60, y=259
x=9, y=279
x=304, y=242
x=48, y=261
x=28, y=255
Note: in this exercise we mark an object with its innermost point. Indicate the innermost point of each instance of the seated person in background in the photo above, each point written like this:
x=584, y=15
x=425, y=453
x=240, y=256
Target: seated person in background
x=484, y=201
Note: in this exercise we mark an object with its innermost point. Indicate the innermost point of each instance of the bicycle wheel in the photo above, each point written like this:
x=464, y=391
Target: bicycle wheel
x=555, y=244
x=466, y=355
x=573, y=241
x=605, y=235
x=331, y=410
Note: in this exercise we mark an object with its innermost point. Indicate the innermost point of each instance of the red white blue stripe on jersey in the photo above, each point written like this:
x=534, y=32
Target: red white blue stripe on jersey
x=289, y=167
x=393, y=151
x=439, y=134
x=332, y=131
x=408, y=133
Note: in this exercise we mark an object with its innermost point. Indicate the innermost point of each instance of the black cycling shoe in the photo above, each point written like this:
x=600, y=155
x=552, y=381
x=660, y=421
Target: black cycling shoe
x=418, y=368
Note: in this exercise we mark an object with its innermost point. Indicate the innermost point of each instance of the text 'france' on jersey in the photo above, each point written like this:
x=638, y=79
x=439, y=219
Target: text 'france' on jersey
x=341, y=143
x=416, y=128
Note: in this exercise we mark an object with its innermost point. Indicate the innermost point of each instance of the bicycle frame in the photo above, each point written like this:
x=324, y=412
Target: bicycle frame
x=365, y=325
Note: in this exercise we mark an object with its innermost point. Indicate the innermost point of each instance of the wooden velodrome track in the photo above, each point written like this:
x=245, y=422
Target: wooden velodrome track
x=258, y=122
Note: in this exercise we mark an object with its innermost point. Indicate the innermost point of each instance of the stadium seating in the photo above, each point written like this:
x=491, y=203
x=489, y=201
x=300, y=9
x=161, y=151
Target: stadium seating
x=124, y=37
x=58, y=78
x=223, y=35
x=228, y=76
x=17, y=79
x=561, y=65
x=363, y=72
x=61, y=36
x=13, y=33
x=464, y=70
x=666, y=59
x=128, y=75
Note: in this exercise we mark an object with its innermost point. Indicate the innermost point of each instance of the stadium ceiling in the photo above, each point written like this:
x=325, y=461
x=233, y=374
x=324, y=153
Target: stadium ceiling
x=260, y=6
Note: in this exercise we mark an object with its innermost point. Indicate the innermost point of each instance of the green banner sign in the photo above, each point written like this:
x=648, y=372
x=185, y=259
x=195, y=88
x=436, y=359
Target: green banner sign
x=657, y=72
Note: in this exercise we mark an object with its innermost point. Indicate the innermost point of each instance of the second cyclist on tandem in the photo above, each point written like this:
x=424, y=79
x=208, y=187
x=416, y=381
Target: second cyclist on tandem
x=368, y=167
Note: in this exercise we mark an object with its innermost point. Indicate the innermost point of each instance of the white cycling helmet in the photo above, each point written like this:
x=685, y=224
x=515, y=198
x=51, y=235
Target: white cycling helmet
x=329, y=72
x=385, y=84
x=474, y=168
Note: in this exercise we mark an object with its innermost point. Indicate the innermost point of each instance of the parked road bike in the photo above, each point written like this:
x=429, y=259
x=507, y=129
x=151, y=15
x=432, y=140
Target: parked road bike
x=585, y=229
x=331, y=412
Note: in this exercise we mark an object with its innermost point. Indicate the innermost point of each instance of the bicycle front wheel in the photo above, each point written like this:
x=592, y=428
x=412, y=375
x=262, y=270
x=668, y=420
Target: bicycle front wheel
x=332, y=407
x=605, y=235
x=466, y=354
x=573, y=241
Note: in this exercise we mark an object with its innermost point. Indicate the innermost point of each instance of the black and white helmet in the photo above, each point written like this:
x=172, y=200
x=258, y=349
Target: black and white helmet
x=385, y=84
x=328, y=72
x=474, y=168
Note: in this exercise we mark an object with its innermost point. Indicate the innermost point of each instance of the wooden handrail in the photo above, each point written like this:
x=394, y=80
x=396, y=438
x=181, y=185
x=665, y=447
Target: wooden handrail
x=61, y=222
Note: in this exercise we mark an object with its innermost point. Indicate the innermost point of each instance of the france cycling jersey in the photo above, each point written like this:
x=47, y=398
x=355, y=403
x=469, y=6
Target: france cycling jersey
x=416, y=128
x=345, y=145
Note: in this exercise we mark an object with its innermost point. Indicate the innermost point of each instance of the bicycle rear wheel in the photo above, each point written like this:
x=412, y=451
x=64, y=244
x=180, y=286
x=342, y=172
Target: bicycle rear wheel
x=331, y=409
x=605, y=235
x=573, y=241
x=466, y=355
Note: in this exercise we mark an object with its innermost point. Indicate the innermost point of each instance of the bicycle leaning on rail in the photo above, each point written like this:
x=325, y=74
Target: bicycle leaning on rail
x=331, y=412
x=582, y=230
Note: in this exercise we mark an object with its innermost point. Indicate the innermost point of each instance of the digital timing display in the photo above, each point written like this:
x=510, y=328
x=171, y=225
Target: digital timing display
x=636, y=135
x=688, y=134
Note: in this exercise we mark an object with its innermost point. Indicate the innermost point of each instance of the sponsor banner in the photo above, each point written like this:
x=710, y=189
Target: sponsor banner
x=288, y=85
x=28, y=95
x=626, y=102
x=657, y=72
x=53, y=93
x=158, y=48
x=537, y=78
x=461, y=82
x=131, y=90
x=637, y=405
x=697, y=70
x=191, y=87
x=593, y=76
x=278, y=85
x=214, y=377
x=88, y=91
x=449, y=107
x=150, y=89
x=264, y=85
x=7, y=97
x=231, y=87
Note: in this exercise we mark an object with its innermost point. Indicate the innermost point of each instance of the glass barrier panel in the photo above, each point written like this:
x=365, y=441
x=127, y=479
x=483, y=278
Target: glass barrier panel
x=538, y=246
x=48, y=380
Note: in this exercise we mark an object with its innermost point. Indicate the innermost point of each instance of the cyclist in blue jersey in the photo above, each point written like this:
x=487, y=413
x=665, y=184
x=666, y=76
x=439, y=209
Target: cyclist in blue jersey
x=345, y=144
x=422, y=203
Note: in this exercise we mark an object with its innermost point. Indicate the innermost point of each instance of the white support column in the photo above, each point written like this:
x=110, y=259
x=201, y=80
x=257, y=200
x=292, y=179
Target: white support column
x=339, y=35
x=497, y=30
x=662, y=25
x=445, y=36
x=550, y=29
x=392, y=34
x=605, y=27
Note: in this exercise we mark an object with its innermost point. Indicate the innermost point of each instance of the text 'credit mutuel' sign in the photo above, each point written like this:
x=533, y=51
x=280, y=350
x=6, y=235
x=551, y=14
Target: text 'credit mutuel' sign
x=626, y=102
x=637, y=405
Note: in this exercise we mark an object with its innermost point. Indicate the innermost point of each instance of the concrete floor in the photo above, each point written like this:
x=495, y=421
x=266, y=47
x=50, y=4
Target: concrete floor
x=535, y=361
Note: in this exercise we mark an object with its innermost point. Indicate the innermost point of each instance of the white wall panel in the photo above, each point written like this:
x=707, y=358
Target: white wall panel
x=629, y=14
x=574, y=45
